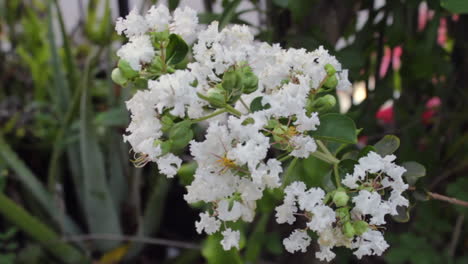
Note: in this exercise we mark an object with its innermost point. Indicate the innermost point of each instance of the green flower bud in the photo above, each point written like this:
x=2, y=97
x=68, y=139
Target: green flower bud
x=360, y=227
x=340, y=198
x=321, y=104
x=330, y=69
x=249, y=80
x=343, y=214
x=127, y=71
x=331, y=82
x=160, y=36
x=216, y=97
x=348, y=230
x=118, y=77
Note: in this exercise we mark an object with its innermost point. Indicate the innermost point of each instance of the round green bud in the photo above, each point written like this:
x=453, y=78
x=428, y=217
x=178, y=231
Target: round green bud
x=118, y=77
x=321, y=104
x=330, y=69
x=343, y=214
x=127, y=71
x=340, y=198
x=348, y=230
x=360, y=227
x=216, y=97
x=249, y=80
x=331, y=82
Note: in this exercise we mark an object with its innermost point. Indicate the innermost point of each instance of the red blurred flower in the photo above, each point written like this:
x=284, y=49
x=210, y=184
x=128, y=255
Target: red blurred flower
x=385, y=115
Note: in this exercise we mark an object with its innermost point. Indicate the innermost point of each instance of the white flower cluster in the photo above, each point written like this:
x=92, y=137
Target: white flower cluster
x=230, y=74
x=139, y=49
x=357, y=228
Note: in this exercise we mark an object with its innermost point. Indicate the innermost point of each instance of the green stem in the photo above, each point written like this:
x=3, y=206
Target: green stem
x=324, y=148
x=40, y=232
x=245, y=105
x=286, y=157
x=215, y=113
x=287, y=174
x=337, y=175
x=325, y=157
x=232, y=110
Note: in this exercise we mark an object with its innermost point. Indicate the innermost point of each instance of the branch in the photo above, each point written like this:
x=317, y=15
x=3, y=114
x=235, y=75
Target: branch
x=146, y=240
x=444, y=198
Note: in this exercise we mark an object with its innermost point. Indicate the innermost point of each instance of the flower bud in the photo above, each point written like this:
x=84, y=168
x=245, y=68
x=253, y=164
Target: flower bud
x=249, y=80
x=343, y=214
x=340, y=198
x=331, y=82
x=348, y=230
x=126, y=70
x=360, y=227
x=321, y=104
x=216, y=97
x=330, y=69
x=118, y=77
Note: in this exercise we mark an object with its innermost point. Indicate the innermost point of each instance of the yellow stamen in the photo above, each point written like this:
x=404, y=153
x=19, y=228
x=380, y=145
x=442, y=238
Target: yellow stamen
x=225, y=162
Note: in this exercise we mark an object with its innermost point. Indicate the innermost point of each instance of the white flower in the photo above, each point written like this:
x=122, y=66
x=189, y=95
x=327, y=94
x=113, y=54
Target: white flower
x=208, y=223
x=285, y=213
x=132, y=25
x=169, y=164
x=137, y=51
x=325, y=253
x=323, y=217
x=297, y=241
x=185, y=23
x=305, y=123
x=311, y=198
x=303, y=146
x=158, y=18
x=230, y=239
x=226, y=214
x=370, y=243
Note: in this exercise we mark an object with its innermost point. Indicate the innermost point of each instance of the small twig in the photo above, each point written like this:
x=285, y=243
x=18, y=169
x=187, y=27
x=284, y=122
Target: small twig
x=444, y=198
x=456, y=234
x=146, y=240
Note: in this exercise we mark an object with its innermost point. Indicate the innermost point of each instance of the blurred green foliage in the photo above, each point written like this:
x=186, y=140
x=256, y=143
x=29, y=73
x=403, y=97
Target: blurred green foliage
x=62, y=158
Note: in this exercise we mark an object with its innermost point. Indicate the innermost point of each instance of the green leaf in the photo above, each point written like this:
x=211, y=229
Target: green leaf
x=176, y=50
x=186, y=172
x=101, y=214
x=214, y=253
x=181, y=134
x=414, y=171
x=35, y=187
x=455, y=6
x=127, y=71
x=387, y=145
x=256, y=105
x=336, y=127
x=228, y=13
x=40, y=232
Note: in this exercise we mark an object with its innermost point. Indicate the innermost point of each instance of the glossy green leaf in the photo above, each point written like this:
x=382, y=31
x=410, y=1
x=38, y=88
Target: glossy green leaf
x=403, y=215
x=336, y=127
x=181, y=134
x=176, y=50
x=414, y=171
x=387, y=145
x=256, y=105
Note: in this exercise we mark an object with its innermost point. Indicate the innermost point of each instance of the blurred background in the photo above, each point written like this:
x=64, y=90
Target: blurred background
x=69, y=193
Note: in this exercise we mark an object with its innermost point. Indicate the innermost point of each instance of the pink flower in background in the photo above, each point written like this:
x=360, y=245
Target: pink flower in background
x=396, y=59
x=385, y=62
x=424, y=15
x=442, y=32
x=434, y=102
x=393, y=56
x=385, y=115
x=432, y=108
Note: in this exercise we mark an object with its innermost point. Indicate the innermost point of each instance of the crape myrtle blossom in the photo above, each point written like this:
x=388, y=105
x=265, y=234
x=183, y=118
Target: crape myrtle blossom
x=256, y=106
x=338, y=223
